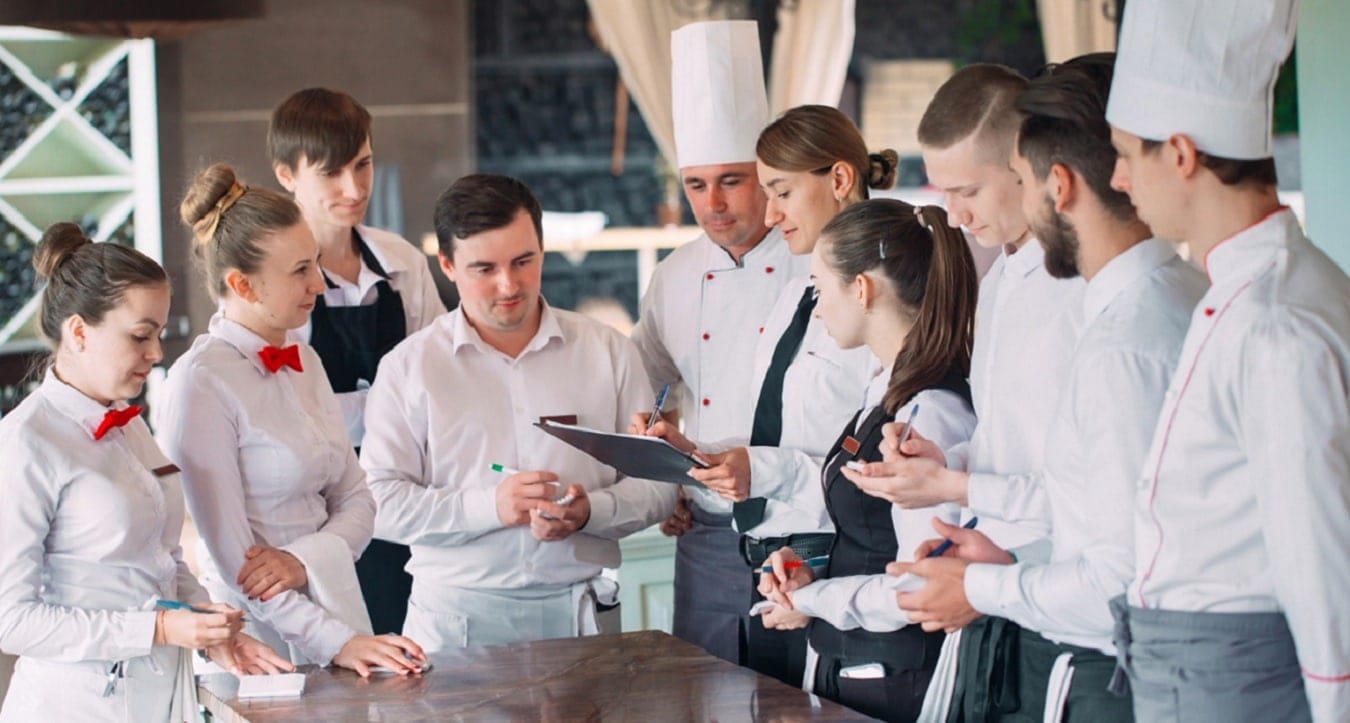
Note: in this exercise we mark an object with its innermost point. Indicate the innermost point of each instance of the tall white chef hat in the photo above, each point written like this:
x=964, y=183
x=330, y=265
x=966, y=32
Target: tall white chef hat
x=1205, y=68
x=718, y=96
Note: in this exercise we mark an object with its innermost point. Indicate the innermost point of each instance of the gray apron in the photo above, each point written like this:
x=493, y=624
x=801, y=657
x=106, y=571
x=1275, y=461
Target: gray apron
x=712, y=586
x=1199, y=667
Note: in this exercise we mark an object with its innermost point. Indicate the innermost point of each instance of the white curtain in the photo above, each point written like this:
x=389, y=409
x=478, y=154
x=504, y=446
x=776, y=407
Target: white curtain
x=810, y=53
x=1070, y=28
x=637, y=34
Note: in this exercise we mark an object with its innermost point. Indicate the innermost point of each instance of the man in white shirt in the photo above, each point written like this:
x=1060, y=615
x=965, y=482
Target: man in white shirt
x=1026, y=325
x=1136, y=309
x=1237, y=606
x=707, y=304
x=500, y=556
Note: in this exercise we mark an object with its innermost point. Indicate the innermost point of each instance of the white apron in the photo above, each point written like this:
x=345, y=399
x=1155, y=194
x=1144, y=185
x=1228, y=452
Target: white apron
x=460, y=617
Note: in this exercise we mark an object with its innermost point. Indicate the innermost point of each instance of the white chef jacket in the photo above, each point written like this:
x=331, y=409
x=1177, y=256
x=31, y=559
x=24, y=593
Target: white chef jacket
x=446, y=406
x=699, y=325
x=1135, y=312
x=868, y=601
x=408, y=275
x=822, y=388
x=88, y=541
x=266, y=461
x=1244, y=504
x=1026, y=326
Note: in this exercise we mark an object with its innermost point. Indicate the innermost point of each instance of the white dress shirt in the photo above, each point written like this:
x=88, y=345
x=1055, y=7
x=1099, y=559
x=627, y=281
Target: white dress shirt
x=88, y=541
x=822, y=388
x=1026, y=326
x=1244, y=505
x=446, y=406
x=868, y=601
x=700, y=322
x=266, y=461
x=408, y=274
x=1135, y=314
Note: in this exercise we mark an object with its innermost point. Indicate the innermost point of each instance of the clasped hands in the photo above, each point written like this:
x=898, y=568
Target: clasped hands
x=532, y=498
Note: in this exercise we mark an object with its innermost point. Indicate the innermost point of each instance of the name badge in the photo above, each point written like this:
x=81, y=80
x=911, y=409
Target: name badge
x=166, y=470
x=851, y=445
x=560, y=419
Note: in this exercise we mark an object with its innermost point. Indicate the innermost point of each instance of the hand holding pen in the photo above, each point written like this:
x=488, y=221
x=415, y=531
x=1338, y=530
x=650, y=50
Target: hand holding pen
x=964, y=542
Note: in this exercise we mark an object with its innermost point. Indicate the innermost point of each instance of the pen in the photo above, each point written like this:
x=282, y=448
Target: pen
x=176, y=605
x=947, y=544
x=503, y=469
x=909, y=426
x=660, y=402
x=813, y=562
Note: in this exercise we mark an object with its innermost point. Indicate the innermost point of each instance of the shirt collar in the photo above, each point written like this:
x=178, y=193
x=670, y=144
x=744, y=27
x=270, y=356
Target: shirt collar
x=247, y=343
x=74, y=404
x=1251, y=248
x=716, y=258
x=1119, y=273
x=463, y=335
x=1027, y=259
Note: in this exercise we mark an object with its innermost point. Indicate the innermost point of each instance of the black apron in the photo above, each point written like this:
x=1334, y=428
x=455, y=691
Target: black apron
x=864, y=544
x=351, y=340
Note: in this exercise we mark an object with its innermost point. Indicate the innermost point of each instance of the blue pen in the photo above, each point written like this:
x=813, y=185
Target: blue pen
x=947, y=544
x=813, y=562
x=660, y=402
x=176, y=605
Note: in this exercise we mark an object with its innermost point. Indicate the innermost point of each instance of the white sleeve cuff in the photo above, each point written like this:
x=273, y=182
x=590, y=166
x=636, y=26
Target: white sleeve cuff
x=984, y=585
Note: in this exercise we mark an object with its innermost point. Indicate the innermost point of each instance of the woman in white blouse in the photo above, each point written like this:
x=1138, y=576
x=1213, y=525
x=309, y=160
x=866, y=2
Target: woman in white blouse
x=93, y=512
x=269, y=473
x=896, y=279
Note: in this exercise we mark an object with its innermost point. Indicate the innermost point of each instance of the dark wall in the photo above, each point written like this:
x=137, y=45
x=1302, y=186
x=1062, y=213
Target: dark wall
x=408, y=61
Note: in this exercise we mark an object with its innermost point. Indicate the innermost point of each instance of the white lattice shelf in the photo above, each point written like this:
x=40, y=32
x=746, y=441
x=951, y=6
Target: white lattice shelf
x=66, y=168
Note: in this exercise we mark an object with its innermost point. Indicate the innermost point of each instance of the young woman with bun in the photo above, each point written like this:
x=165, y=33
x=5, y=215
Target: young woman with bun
x=271, y=479
x=93, y=511
x=896, y=280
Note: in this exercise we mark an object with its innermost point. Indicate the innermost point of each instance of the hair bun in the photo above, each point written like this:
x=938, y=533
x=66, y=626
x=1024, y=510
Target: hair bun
x=883, y=167
x=59, y=242
x=201, y=205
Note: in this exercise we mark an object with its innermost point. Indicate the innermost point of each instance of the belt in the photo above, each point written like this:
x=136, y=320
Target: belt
x=807, y=545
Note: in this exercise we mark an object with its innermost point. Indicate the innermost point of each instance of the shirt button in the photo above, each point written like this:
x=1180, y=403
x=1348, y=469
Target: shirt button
x=709, y=277
x=768, y=269
x=761, y=330
x=706, y=402
x=705, y=336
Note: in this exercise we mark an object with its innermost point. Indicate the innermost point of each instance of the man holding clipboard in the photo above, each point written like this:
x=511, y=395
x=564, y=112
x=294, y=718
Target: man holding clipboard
x=496, y=558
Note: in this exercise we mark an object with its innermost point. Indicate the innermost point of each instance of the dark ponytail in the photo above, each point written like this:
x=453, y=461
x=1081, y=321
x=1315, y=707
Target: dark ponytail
x=932, y=273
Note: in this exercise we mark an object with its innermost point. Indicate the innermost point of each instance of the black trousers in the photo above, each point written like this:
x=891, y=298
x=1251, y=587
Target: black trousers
x=897, y=696
x=385, y=585
x=778, y=654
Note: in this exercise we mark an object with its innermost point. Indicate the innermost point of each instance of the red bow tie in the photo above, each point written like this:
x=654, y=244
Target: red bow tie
x=275, y=358
x=116, y=418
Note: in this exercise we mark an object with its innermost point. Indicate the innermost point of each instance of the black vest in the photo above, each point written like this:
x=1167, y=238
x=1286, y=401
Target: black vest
x=351, y=340
x=864, y=543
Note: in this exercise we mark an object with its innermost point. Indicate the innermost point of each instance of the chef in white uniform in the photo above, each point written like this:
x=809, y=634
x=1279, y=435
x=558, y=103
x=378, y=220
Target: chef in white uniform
x=1136, y=309
x=1237, y=607
x=707, y=305
x=93, y=510
x=500, y=555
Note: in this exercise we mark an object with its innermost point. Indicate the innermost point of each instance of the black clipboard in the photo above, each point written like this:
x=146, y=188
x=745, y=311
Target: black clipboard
x=634, y=455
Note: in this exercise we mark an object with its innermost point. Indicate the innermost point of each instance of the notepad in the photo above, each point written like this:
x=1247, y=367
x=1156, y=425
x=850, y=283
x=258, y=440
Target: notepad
x=632, y=454
x=279, y=685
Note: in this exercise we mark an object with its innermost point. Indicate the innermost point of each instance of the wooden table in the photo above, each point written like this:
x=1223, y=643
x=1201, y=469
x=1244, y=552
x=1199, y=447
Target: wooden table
x=646, y=676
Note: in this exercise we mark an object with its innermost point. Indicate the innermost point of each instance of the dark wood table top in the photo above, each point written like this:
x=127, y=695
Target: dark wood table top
x=646, y=676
